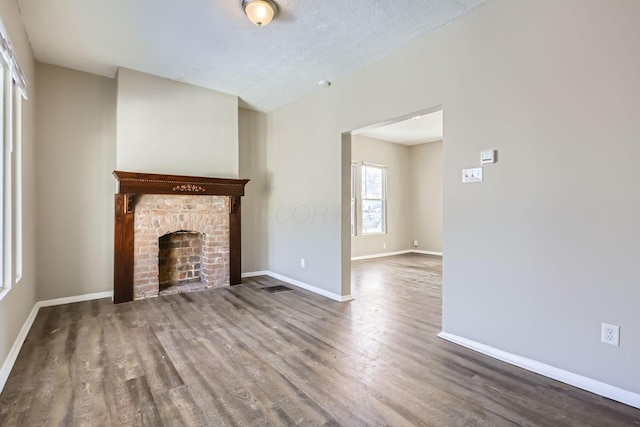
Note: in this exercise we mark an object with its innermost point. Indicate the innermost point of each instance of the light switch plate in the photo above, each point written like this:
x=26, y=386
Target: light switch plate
x=471, y=175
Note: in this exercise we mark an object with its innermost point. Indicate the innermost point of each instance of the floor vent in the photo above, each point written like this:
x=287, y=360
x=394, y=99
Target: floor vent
x=274, y=289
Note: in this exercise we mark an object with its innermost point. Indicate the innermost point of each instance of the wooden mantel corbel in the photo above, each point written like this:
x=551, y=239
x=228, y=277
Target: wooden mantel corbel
x=131, y=184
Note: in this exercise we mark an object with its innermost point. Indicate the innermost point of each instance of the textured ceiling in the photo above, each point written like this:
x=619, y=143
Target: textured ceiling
x=211, y=43
x=418, y=130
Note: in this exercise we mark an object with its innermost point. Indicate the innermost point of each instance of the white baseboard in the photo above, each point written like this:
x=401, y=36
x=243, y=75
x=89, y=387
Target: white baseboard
x=415, y=251
x=382, y=255
x=17, y=345
x=300, y=284
x=9, y=361
x=255, y=273
x=585, y=383
x=385, y=254
x=311, y=288
x=77, y=298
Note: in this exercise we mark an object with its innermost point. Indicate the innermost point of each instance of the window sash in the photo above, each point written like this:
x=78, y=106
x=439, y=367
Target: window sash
x=354, y=202
x=371, y=217
x=10, y=178
x=4, y=283
x=17, y=182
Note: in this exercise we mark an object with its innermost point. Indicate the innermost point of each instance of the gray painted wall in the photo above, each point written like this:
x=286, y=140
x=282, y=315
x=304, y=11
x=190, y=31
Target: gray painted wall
x=549, y=241
x=164, y=126
x=425, y=183
x=252, y=138
x=76, y=158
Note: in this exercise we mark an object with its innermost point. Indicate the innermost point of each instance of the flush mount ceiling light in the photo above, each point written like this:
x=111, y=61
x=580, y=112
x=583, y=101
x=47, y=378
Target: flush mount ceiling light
x=260, y=12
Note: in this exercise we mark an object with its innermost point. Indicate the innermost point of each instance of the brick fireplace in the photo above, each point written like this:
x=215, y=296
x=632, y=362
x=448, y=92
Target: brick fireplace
x=180, y=230
x=194, y=231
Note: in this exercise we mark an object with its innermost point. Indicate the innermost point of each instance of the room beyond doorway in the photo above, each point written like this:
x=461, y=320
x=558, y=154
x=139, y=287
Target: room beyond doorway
x=396, y=186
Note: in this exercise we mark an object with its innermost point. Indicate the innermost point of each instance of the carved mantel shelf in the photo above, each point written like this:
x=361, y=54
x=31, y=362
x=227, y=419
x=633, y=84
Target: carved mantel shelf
x=131, y=184
x=150, y=183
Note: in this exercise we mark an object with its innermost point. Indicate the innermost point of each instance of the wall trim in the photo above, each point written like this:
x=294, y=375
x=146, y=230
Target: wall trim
x=385, y=254
x=312, y=288
x=415, y=251
x=358, y=258
x=585, y=383
x=255, y=273
x=294, y=282
x=7, y=366
x=77, y=298
x=10, y=360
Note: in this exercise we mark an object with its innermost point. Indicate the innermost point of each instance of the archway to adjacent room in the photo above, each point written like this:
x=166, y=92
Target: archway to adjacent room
x=392, y=184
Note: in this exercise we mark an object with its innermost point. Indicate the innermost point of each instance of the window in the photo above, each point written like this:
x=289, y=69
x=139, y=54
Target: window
x=12, y=90
x=17, y=184
x=354, y=192
x=374, y=188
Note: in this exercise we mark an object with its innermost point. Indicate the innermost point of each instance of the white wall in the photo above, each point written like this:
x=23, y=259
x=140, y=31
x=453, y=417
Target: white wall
x=164, y=126
x=17, y=304
x=252, y=136
x=550, y=240
x=76, y=158
x=399, y=210
x=425, y=171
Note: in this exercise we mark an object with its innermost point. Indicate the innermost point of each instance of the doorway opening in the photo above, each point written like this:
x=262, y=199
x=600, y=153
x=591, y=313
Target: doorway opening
x=393, y=180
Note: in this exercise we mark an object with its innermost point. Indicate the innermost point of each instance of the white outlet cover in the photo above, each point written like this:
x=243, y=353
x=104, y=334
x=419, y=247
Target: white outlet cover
x=610, y=334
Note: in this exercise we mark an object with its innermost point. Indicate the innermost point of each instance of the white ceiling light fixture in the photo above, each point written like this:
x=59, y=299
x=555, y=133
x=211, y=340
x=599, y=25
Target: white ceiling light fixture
x=260, y=12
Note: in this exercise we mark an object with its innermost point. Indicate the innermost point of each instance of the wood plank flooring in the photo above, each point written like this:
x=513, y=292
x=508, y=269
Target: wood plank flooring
x=245, y=357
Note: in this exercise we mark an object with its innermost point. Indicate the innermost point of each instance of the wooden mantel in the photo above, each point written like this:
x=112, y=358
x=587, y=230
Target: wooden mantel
x=131, y=184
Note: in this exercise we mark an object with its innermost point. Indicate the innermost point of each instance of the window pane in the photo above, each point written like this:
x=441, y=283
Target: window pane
x=372, y=216
x=371, y=182
x=353, y=217
x=354, y=170
x=17, y=116
x=5, y=199
x=353, y=180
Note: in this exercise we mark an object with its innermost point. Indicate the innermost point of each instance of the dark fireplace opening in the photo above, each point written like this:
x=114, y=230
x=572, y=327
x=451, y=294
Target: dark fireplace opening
x=180, y=262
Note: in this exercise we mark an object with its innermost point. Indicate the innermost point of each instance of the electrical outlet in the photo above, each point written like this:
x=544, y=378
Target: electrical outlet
x=610, y=334
x=384, y=246
x=415, y=243
x=303, y=263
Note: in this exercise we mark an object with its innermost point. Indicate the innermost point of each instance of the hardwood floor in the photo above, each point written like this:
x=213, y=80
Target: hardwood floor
x=242, y=356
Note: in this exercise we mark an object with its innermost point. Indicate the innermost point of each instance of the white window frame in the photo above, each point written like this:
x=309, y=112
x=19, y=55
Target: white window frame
x=354, y=198
x=5, y=284
x=17, y=185
x=383, y=199
x=14, y=88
